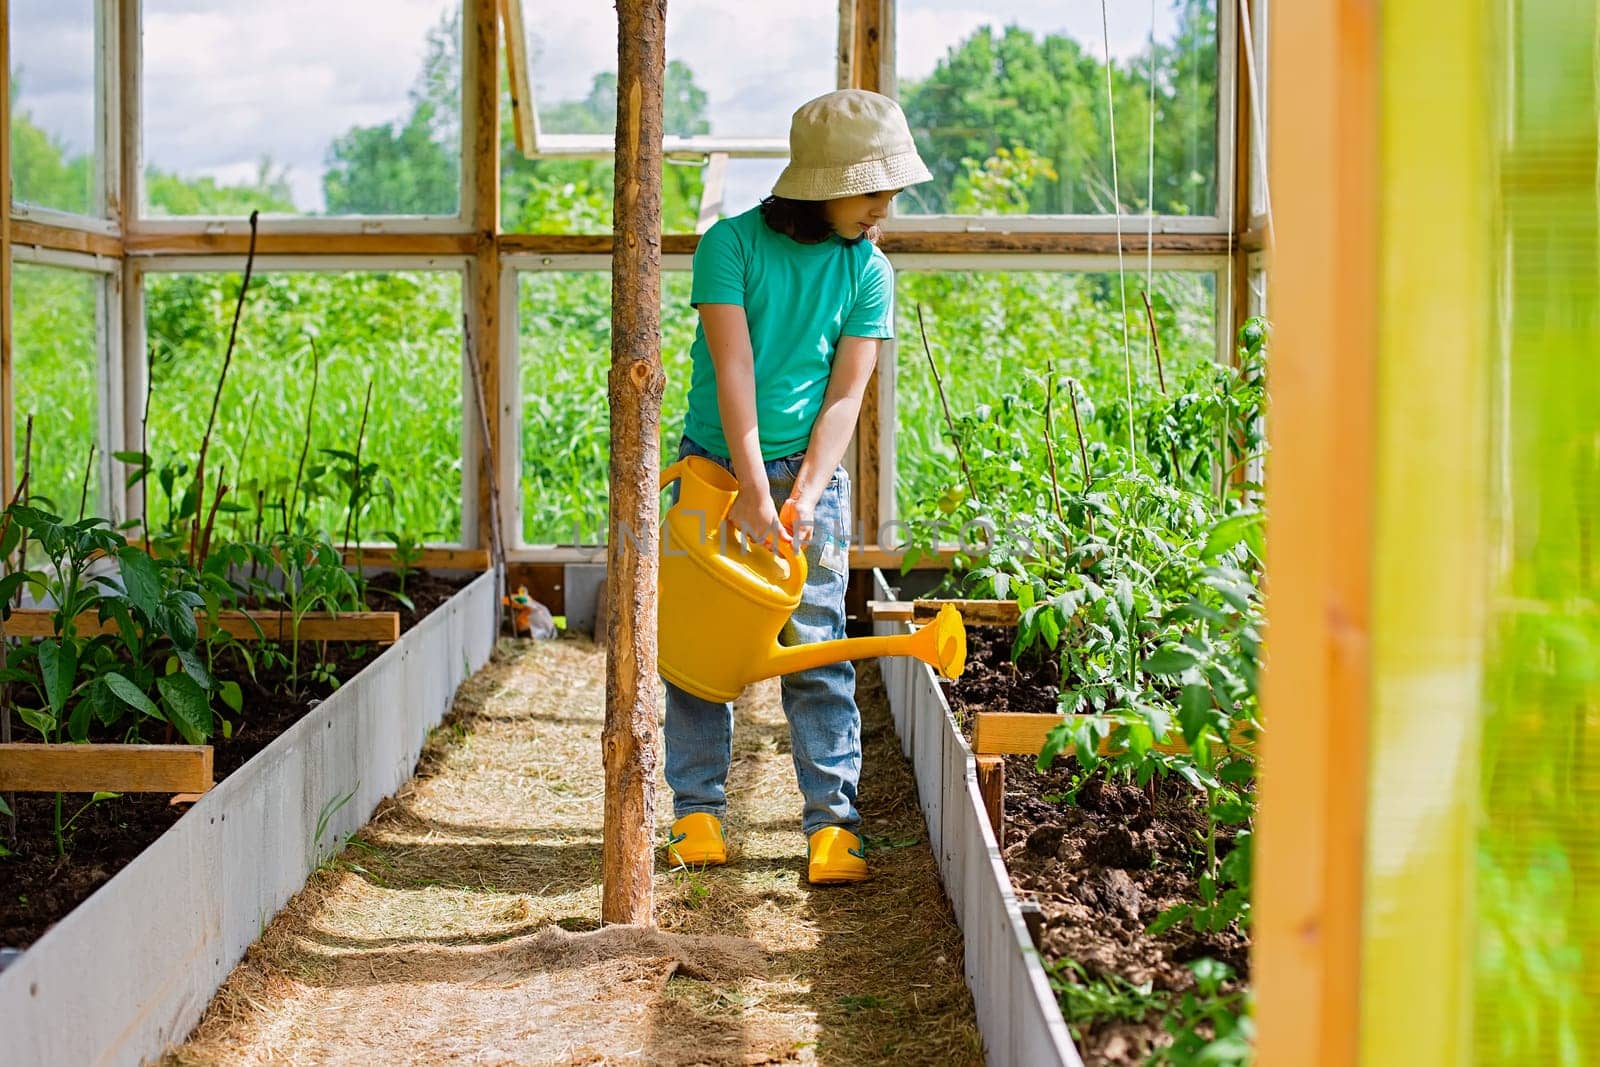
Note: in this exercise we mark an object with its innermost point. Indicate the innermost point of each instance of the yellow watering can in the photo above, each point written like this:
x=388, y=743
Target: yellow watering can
x=723, y=603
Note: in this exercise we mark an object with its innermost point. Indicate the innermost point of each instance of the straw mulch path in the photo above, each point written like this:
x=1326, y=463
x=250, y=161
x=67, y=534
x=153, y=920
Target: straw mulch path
x=460, y=925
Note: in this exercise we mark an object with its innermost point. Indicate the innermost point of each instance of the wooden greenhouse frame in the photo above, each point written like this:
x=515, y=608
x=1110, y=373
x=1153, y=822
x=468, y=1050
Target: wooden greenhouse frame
x=1308, y=933
x=125, y=246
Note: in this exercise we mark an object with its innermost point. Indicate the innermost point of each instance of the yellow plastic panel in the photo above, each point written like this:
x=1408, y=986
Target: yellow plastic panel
x=1536, y=988
x=1430, y=582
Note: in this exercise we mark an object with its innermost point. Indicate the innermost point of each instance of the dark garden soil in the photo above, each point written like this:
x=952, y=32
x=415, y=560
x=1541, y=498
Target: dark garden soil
x=1103, y=869
x=37, y=888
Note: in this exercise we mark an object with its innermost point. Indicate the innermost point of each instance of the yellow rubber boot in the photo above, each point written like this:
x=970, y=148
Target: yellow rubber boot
x=697, y=841
x=837, y=856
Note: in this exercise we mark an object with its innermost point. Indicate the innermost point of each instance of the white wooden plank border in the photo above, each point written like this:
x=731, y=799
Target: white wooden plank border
x=1017, y=1012
x=135, y=965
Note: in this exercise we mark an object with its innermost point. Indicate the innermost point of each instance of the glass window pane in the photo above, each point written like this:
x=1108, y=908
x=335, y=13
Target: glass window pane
x=312, y=107
x=54, y=146
x=1008, y=105
x=56, y=376
x=992, y=333
x=399, y=332
x=564, y=356
x=734, y=69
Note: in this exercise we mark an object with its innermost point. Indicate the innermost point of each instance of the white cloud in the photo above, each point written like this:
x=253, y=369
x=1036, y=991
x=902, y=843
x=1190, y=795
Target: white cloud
x=222, y=88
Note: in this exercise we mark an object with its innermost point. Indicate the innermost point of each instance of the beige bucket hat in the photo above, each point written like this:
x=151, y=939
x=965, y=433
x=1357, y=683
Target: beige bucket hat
x=846, y=143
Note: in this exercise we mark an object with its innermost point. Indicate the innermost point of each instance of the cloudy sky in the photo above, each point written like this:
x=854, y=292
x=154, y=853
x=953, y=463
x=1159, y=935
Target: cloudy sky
x=228, y=81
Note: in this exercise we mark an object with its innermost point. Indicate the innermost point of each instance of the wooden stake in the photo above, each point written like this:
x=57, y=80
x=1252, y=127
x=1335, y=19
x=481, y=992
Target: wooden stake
x=992, y=787
x=636, y=385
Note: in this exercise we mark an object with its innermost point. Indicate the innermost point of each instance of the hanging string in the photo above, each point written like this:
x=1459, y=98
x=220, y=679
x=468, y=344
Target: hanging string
x=1116, y=205
x=1150, y=187
x=1227, y=305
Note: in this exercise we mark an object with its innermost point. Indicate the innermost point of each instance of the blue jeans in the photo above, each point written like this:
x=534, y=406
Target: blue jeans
x=820, y=703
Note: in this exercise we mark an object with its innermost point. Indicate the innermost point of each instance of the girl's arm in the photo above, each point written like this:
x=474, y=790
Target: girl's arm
x=728, y=339
x=853, y=361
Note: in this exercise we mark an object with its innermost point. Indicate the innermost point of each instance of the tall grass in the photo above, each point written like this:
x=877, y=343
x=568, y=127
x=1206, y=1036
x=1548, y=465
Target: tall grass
x=55, y=361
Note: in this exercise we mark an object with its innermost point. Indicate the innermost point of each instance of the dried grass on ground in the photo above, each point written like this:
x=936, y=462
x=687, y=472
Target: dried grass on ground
x=460, y=925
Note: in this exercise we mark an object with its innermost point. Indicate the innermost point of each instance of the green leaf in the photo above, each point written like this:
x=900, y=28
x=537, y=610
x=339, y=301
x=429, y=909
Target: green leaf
x=130, y=694
x=195, y=667
x=1229, y=532
x=10, y=540
x=1049, y=628
x=141, y=579
x=186, y=706
x=5, y=809
x=1173, y=659
x=1194, y=711
x=39, y=720
x=1168, y=919
x=58, y=663
x=78, y=721
x=106, y=707
x=232, y=695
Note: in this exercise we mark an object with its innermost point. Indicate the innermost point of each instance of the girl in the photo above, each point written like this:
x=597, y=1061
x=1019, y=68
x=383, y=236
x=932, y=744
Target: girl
x=794, y=300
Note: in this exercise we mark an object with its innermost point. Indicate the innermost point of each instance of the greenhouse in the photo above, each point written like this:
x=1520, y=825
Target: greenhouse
x=838, y=531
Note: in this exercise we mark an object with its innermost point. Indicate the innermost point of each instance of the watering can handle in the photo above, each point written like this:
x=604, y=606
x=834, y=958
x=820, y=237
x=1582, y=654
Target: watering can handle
x=672, y=472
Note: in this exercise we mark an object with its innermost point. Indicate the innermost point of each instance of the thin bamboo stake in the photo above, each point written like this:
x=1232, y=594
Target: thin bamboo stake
x=305, y=446
x=88, y=472
x=938, y=384
x=1161, y=377
x=216, y=397
x=1050, y=437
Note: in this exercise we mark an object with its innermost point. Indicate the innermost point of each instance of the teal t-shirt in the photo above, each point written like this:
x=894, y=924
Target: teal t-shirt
x=799, y=300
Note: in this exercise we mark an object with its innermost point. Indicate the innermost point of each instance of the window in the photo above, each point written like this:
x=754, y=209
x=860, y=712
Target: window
x=563, y=359
x=310, y=107
x=398, y=331
x=992, y=332
x=1008, y=106
x=56, y=375
x=56, y=158
x=735, y=74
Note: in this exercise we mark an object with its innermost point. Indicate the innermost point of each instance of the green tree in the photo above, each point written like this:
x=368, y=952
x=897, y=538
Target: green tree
x=409, y=168
x=42, y=171
x=171, y=194
x=1012, y=89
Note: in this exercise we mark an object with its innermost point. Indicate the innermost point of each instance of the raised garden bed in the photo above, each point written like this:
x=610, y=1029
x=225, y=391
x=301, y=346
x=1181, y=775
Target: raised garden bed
x=195, y=893
x=1011, y=992
x=1085, y=881
x=42, y=887
x=1100, y=869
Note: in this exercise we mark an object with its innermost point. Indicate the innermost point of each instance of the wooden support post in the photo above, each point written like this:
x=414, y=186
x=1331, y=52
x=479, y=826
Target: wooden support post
x=483, y=305
x=636, y=385
x=866, y=72
x=1239, y=222
x=8, y=428
x=7, y=421
x=36, y=768
x=992, y=787
x=1316, y=689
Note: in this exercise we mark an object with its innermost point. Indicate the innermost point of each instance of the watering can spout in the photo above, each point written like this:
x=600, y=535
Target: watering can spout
x=723, y=602
x=942, y=644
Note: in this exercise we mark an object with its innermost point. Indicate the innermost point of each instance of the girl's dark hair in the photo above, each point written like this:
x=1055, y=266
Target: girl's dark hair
x=804, y=220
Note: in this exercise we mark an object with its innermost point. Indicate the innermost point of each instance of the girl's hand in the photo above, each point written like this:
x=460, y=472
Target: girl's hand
x=754, y=515
x=799, y=518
